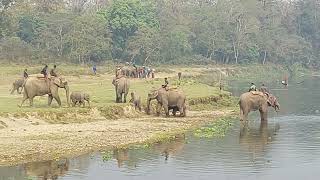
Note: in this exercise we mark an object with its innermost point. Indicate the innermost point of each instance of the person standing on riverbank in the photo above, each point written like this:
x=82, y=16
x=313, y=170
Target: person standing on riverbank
x=94, y=69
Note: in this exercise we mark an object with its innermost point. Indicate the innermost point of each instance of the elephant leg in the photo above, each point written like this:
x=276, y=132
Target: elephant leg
x=174, y=111
x=50, y=98
x=120, y=97
x=21, y=90
x=159, y=106
x=181, y=110
x=89, y=103
x=25, y=97
x=166, y=108
x=263, y=113
x=243, y=114
x=124, y=97
x=31, y=102
x=13, y=89
x=57, y=98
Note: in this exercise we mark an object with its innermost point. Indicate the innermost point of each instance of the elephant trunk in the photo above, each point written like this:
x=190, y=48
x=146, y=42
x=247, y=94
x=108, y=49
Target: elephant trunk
x=277, y=107
x=148, y=105
x=67, y=94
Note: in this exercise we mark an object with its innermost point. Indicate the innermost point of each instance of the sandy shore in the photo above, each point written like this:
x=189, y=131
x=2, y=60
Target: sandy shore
x=26, y=140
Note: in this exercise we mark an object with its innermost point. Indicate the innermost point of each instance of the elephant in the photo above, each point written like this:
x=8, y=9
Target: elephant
x=168, y=99
x=38, y=86
x=122, y=86
x=129, y=71
x=16, y=85
x=136, y=100
x=79, y=97
x=255, y=100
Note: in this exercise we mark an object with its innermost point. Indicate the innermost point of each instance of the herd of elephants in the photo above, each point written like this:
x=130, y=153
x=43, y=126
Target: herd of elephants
x=167, y=98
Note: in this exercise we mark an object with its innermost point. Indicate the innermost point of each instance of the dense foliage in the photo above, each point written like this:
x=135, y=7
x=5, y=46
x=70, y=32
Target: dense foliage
x=161, y=31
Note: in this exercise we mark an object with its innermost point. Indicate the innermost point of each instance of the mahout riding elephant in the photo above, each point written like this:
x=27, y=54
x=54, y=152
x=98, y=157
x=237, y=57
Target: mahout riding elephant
x=37, y=86
x=79, y=97
x=122, y=86
x=16, y=85
x=255, y=100
x=168, y=99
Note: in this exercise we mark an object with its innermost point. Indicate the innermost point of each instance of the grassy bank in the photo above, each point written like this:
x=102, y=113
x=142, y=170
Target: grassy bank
x=200, y=96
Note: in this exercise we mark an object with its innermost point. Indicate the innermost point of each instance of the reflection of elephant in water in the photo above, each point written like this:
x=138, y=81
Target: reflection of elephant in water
x=122, y=87
x=168, y=99
x=254, y=100
x=255, y=139
x=38, y=86
x=173, y=147
x=47, y=170
x=121, y=155
x=16, y=85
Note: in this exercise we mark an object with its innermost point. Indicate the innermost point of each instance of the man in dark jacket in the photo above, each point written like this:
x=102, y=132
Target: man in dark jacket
x=53, y=71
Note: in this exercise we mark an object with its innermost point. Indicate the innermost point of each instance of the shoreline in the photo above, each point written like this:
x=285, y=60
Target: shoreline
x=31, y=143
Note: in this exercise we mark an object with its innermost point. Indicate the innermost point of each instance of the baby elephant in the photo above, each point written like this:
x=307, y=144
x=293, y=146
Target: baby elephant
x=136, y=101
x=16, y=85
x=79, y=97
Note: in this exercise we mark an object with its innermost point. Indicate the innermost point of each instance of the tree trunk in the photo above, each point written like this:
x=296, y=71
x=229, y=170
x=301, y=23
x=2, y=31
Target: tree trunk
x=235, y=51
x=264, y=57
x=61, y=44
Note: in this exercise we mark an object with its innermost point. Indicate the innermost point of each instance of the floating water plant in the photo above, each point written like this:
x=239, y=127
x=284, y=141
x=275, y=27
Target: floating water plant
x=216, y=129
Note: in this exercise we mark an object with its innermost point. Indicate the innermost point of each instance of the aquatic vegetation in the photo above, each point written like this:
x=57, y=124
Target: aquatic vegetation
x=216, y=129
x=107, y=155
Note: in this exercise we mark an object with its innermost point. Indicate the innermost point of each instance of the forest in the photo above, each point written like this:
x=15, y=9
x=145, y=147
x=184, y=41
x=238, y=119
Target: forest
x=283, y=32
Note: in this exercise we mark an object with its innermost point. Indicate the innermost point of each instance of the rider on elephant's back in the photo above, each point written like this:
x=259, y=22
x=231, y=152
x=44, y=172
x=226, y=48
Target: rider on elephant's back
x=253, y=87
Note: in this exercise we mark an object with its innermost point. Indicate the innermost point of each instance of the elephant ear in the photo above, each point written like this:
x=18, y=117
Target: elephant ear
x=153, y=93
x=57, y=81
x=271, y=100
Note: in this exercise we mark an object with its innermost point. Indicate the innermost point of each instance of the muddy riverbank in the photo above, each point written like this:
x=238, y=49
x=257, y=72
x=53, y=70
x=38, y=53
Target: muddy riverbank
x=29, y=143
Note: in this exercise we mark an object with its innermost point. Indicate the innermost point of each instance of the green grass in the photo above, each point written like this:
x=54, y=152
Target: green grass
x=100, y=89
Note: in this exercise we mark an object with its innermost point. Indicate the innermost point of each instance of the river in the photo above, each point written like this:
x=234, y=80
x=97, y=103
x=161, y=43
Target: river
x=286, y=147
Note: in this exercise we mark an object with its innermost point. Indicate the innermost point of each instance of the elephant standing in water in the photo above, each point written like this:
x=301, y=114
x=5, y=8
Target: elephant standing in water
x=37, y=86
x=122, y=87
x=255, y=100
x=16, y=85
x=168, y=99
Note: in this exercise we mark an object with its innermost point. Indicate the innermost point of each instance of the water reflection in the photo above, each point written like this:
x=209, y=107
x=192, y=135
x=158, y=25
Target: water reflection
x=48, y=170
x=170, y=148
x=121, y=155
x=254, y=139
x=166, y=149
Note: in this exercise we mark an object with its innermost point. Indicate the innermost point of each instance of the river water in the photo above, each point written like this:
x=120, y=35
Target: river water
x=286, y=147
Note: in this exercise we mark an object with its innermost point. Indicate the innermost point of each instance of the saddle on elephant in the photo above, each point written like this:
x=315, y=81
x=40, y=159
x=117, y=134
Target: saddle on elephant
x=39, y=76
x=257, y=93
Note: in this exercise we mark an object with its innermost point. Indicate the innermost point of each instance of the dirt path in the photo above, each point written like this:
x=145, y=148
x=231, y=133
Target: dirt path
x=36, y=142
